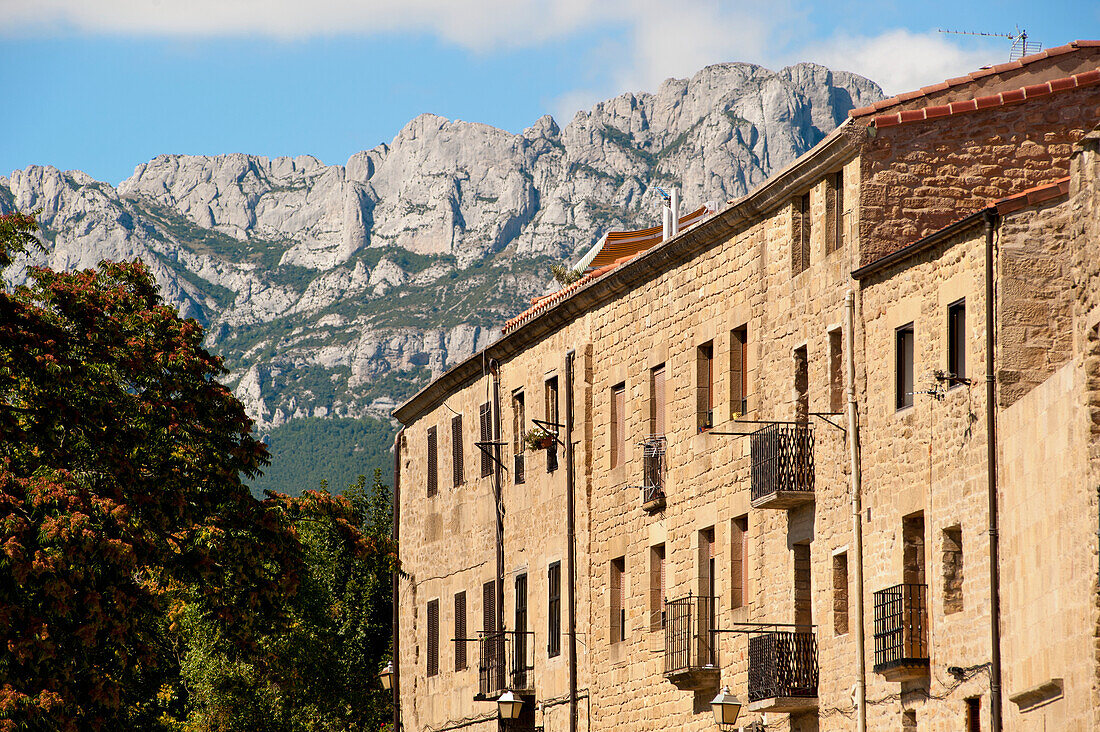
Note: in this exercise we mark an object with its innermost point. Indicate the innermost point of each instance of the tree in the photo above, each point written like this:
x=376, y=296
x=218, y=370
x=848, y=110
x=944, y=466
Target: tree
x=122, y=503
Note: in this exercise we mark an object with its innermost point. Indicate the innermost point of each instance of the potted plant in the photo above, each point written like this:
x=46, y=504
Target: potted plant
x=538, y=439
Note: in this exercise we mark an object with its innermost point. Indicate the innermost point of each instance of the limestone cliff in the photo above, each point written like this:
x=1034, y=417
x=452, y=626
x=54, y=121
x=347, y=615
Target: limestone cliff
x=339, y=289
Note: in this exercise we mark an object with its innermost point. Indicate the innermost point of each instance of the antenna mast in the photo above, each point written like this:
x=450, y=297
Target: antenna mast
x=1021, y=46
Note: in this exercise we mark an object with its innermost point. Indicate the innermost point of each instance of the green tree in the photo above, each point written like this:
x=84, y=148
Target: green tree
x=122, y=506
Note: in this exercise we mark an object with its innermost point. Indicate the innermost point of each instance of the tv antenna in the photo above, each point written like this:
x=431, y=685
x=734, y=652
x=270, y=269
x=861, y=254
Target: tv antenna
x=1021, y=46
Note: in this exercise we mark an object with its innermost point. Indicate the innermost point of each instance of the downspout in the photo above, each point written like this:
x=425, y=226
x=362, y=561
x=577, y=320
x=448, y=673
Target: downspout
x=857, y=526
x=570, y=528
x=498, y=503
x=991, y=473
x=396, y=534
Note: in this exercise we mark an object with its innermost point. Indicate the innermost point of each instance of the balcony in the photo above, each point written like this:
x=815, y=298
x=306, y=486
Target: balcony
x=691, y=642
x=782, y=671
x=901, y=632
x=653, y=474
x=505, y=664
x=782, y=466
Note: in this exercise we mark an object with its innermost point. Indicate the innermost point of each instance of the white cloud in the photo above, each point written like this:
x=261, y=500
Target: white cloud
x=900, y=60
x=652, y=40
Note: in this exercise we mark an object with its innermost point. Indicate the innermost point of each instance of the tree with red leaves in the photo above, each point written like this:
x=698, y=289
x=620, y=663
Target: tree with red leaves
x=122, y=501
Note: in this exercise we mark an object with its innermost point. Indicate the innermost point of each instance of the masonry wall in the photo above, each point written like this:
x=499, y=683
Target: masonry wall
x=921, y=176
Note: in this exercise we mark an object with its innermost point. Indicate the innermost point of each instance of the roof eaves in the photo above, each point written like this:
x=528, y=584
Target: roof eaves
x=973, y=76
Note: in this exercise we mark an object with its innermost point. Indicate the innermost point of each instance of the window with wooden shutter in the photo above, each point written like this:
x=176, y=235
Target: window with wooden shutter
x=520, y=646
x=519, y=429
x=456, y=451
x=433, y=463
x=739, y=371
x=657, y=401
x=485, y=414
x=704, y=385
x=618, y=426
x=800, y=234
x=903, y=374
x=433, y=637
x=834, y=212
x=553, y=610
x=836, y=371
x=657, y=587
x=618, y=600
x=739, y=561
x=489, y=606
x=460, y=631
x=552, y=418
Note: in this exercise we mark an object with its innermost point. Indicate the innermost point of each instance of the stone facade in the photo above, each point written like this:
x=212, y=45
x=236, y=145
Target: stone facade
x=744, y=333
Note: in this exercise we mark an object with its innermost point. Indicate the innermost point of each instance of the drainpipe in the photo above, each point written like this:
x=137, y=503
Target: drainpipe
x=396, y=534
x=570, y=528
x=857, y=527
x=991, y=473
x=498, y=503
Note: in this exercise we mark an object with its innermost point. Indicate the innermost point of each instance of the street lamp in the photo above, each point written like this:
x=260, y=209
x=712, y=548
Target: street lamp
x=509, y=705
x=726, y=708
x=386, y=676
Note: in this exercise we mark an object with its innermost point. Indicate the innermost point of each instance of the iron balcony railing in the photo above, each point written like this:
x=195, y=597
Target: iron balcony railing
x=691, y=634
x=653, y=470
x=782, y=460
x=505, y=662
x=901, y=627
x=782, y=664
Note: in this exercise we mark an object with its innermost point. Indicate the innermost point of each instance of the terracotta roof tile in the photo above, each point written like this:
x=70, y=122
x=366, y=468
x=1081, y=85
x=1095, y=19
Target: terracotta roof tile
x=1031, y=196
x=1015, y=96
x=973, y=76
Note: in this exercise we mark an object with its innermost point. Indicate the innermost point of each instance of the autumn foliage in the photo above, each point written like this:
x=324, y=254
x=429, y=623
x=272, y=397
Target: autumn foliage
x=122, y=502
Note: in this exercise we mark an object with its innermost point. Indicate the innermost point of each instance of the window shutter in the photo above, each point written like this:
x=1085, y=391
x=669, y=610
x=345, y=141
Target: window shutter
x=433, y=466
x=489, y=607
x=486, y=417
x=460, y=631
x=456, y=450
x=433, y=637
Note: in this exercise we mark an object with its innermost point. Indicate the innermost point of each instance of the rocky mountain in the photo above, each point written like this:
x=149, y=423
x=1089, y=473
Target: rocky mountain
x=337, y=290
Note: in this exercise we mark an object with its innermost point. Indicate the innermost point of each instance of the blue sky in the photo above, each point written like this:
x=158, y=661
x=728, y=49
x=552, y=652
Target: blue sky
x=106, y=85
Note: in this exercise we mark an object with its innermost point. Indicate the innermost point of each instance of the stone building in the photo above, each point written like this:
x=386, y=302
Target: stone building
x=742, y=511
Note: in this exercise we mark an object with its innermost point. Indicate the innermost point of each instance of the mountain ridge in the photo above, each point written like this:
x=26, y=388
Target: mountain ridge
x=338, y=290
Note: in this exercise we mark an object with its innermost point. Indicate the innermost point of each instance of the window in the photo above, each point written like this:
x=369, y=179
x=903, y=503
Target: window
x=520, y=652
x=553, y=610
x=904, y=368
x=739, y=371
x=707, y=579
x=834, y=212
x=803, y=600
x=912, y=542
x=952, y=570
x=551, y=416
x=704, y=362
x=433, y=463
x=618, y=426
x=657, y=400
x=801, y=384
x=708, y=592
x=618, y=600
x=485, y=416
x=840, y=593
x=456, y=450
x=974, y=714
x=460, y=631
x=836, y=372
x=956, y=341
x=657, y=587
x=739, y=561
x=519, y=428
x=800, y=234
x=489, y=606
x=433, y=637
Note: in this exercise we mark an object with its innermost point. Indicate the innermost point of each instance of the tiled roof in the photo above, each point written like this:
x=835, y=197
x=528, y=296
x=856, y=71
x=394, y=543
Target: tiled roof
x=541, y=304
x=1087, y=78
x=971, y=77
x=1031, y=196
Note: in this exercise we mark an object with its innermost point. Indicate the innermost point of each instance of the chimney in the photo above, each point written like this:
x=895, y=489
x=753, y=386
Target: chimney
x=666, y=223
x=675, y=228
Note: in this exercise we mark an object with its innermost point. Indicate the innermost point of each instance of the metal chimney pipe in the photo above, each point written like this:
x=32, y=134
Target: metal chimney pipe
x=666, y=223
x=675, y=228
